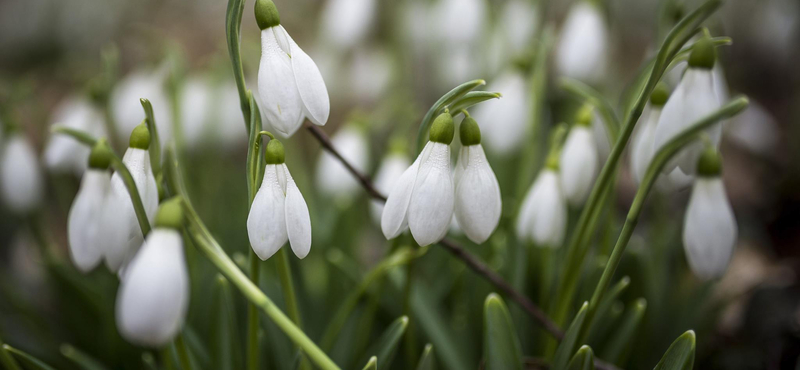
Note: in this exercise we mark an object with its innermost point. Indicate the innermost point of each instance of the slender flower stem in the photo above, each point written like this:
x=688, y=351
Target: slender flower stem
x=252, y=319
x=289, y=296
x=155, y=141
x=7, y=359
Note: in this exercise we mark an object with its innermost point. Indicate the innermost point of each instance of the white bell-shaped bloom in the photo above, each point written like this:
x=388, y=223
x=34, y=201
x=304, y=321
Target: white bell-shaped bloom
x=389, y=171
x=138, y=163
x=279, y=214
x=519, y=21
x=346, y=23
x=543, y=215
x=154, y=294
x=459, y=21
x=709, y=229
x=641, y=152
x=583, y=47
x=93, y=223
x=63, y=153
x=505, y=121
x=578, y=164
x=755, y=129
x=477, y=198
x=333, y=178
x=126, y=107
x=20, y=175
x=290, y=86
x=196, y=106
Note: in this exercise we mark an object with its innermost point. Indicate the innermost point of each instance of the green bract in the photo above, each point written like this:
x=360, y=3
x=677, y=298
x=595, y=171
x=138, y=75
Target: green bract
x=710, y=162
x=442, y=129
x=266, y=14
x=170, y=214
x=274, y=154
x=469, y=132
x=703, y=54
x=100, y=157
x=140, y=137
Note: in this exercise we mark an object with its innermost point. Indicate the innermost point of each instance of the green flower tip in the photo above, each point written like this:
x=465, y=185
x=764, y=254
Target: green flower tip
x=140, y=137
x=710, y=162
x=267, y=14
x=703, y=54
x=170, y=213
x=584, y=116
x=100, y=156
x=469, y=132
x=660, y=95
x=443, y=129
x=274, y=154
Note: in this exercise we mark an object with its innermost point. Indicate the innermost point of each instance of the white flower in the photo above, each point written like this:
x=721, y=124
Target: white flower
x=422, y=199
x=138, y=163
x=543, y=215
x=519, y=21
x=290, y=86
x=93, y=222
x=755, y=129
x=63, y=153
x=582, y=50
x=347, y=22
x=197, y=101
x=154, y=294
x=20, y=175
x=459, y=21
x=477, y=197
x=126, y=107
x=279, y=214
x=505, y=121
x=333, y=178
x=389, y=172
x=709, y=229
x=578, y=164
x=642, y=143
x=370, y=74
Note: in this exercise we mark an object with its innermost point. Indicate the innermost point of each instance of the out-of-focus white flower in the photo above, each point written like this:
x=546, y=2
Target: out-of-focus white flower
x=370, y=74
x=459, y=21
x=279, y=213
x=578, y=163
x=755, y=129
x=389, y=171
x=196, y=105
x=20, y=175
x=477, y=193
x=641, y=152
x=126, y=107
x=519, y=21
x=290, y=86
x=230, y=127
x=416, y=25
x=504, y=122
x=422, y=198
x=333, y=178
x=212, y=114
x=456, y=64
x=346, y=23
x=63, y=153
x=583, y=47
x=543, y=215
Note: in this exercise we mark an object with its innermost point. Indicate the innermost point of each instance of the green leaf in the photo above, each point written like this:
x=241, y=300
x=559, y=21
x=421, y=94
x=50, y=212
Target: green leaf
x=28, y=361
x=386, y=345
x=611, y=297
x=155, y=142
x=472, y=98
x=80, y=358
x=570, y=341
x=372, y=364
x=618, y=347
x=680, y=355
x=224, y=349
x=445, y=100
x=583, y=359
x=501, y=348
x=427, y=361
x=149, y=361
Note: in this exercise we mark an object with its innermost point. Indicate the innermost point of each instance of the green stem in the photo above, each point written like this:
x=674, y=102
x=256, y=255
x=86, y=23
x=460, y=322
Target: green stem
x=409, y=335
x=233, y=22
x=252, y=318
x=183, y=353
x=6, y=359
x=155, y=142
x=289, y=296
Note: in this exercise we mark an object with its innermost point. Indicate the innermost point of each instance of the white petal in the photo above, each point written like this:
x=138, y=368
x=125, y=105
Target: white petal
x=64, y=154
x=504, y=121
x=394, y=219
x=310, y=85
x=520, y=20
x=460, y=21
x=755, y=129
x=582, y=49
x=642, y=144
x=477, y=198
x=709, y=233
x=84, y=224
x=526, y=212
x=127, y=109
x=548, y=215
x=153, y=298
x=388, y=174
x=333, y=178
x=431, y=206
x=20, y=175
x=266, y=223
x=578, y=165
x=277, y=90
x=298, y=222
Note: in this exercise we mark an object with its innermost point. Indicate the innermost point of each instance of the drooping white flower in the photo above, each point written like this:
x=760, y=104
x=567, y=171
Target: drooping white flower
x=477, y=193
x=459, y=21
x=579, y=161
x=641, y=152
x=543, y=215
x=290, y=86
x=346, y=23
x=583, y=47
x=211, y=113
x=278, y=213
x=505, y=121
x=422, y=199
x=389, y=172
x=709, y=229
x=63, y=153
x=196, y=106
x=20, y=175
x=519, y=21
x=126, y=107
x=755, y=129
x=333, y=178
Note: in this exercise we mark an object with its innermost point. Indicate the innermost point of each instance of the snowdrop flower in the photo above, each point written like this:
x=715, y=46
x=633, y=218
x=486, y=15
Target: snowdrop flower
x=154, y=294
x=196, y=106
x=641, y=152
x=389, y=172
x=582, y=50
x=346, y=22
x=459, y=21
x=290, y=86
x=507, y=116
x=63, y=153
x=519, y=21
x=20, y=175
x=422, y=199
x=477, y=197
x=693, y=99
x=279, y=213
x=126, y=107
x=137, y=159
x=579, y=160
x=543, y=215
x=755, y=129
x=93, y=223
x=333, y=178
x=709, y=229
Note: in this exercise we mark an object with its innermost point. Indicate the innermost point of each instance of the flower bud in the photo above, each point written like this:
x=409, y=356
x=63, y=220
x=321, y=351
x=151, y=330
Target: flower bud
x=100, y=156
x=584, y=116
x=703, y=54
x=266, y=14
x=274, y=154
x=443, y=129
x=710, y=163
x=660, y=95
x=170, y=214
x=140, y=137
x=469, y=132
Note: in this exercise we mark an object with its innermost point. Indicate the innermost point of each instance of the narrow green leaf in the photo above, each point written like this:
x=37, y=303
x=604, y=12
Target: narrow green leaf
x=583, y=359
x=501, y=348
x=680, y=355
x=609, y=299
x=570, y=341
x=155, y=142
x=28, y=361
x=80, y=358
x=372, y=364
x=446, y=99
x=224, y=348
x=427, y=361
x=81, y=136
x=149, y=361
x=619, y=346
x=472, y=98
x=388, y=342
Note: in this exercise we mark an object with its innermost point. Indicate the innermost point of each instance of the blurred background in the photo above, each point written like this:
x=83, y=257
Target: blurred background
x=85, y=64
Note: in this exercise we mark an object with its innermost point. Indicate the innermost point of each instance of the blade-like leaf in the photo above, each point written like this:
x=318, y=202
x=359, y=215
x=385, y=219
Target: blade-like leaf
x=372, y=364
x=472, y=98
x=583, y=359
x=618, y=348
x=570, y=341
x=680, y=355
x=426, y=361
x=29, y=362
x=387, y=344
x=501, y=348
x=446, y=99
x=80, y=358
x=224, y=328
